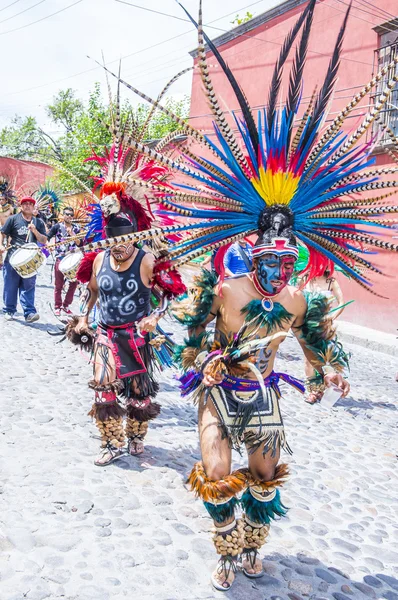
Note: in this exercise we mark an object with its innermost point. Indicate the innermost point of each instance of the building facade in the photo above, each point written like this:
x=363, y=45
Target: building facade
x=25, y=176
x=371, y=41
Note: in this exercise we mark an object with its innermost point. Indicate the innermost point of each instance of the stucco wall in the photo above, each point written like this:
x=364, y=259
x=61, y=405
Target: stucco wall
x=25, y=176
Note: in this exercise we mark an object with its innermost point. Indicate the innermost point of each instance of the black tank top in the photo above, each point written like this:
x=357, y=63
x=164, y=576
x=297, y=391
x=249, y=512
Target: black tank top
x=123, y=297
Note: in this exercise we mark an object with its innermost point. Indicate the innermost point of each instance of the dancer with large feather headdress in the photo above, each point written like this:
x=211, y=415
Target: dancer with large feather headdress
x=132, y=297
x=285, y=179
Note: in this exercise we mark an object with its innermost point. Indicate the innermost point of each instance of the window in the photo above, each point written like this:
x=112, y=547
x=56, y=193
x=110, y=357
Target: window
x=387, y=51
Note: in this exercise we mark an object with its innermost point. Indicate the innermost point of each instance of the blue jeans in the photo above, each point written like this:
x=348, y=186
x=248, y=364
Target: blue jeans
x=14, y=283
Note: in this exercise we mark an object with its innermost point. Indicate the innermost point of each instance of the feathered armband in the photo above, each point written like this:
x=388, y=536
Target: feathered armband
x=320, y=335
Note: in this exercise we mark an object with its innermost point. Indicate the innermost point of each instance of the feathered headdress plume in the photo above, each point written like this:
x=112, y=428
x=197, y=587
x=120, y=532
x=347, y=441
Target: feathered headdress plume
x=7, y=191
x=311, y=175
x=123, y=165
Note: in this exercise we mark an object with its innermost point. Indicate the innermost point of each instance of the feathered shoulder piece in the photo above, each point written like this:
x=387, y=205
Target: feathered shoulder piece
x=194, y=309
x=320, y=335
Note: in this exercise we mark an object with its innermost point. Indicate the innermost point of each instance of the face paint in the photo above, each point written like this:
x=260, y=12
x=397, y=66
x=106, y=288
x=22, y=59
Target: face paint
x=122, y=252
x=274, y=271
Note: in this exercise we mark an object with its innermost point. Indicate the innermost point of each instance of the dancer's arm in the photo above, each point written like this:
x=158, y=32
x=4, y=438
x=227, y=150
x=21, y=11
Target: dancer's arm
x=314, y=331
x=90, y=295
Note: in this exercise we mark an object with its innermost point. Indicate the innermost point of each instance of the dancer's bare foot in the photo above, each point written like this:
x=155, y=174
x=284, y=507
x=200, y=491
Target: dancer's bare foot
x=223, y=576
x=252, y=565
x=108, y=455
x=136, y=447
x=313, y=397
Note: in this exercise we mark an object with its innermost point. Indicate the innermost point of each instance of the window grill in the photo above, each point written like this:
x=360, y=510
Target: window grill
x=388, y=116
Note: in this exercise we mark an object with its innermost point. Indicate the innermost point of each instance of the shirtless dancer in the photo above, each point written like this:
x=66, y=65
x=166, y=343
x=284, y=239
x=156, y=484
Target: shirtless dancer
x=235, y=408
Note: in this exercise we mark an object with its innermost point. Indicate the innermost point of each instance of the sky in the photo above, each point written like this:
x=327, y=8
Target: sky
x=45, y=45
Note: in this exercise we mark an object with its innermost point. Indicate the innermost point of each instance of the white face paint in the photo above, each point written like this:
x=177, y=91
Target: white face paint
x=110, y=205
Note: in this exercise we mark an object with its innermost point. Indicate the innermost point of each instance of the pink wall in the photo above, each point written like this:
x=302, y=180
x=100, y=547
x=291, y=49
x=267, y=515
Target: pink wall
x=252, y=61
x=25, y=176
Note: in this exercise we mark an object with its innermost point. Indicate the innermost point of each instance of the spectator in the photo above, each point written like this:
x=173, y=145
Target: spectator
x=60, y=231
x=238, y=259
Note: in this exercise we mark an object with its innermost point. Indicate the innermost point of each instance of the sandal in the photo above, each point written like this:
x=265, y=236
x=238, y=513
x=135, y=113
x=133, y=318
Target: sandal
x=135, y=447
x=251, y=556
x=226, y=564
x=313, y=397
x=114, y=454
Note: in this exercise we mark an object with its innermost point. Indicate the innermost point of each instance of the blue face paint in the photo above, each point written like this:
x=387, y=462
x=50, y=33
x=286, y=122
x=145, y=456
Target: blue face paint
x=274, y=271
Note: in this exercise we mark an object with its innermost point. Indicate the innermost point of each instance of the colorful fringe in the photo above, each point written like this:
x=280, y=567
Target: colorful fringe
x=231, y=485
x=221, y=512
x=262, y=511
x=213, y=491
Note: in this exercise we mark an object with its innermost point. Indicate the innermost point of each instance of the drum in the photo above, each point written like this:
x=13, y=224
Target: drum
x=27, y=260
x=70, y=264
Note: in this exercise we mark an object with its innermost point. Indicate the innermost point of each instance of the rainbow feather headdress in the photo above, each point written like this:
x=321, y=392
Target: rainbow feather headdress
x=123, y=162
x=296, y=167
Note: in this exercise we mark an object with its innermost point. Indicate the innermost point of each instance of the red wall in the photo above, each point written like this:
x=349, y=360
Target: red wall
x=24, y=176
x=253, y=60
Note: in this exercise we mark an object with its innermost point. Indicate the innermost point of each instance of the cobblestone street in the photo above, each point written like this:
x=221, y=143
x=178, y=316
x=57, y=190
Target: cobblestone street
x=73, y=531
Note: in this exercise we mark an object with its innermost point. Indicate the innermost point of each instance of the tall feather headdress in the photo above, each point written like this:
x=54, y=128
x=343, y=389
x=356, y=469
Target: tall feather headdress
x=311, y=175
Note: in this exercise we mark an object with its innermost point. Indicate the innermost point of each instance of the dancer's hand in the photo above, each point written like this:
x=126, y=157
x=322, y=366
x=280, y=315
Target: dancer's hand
x=148, y=324
x=82, y=324
x=337, y=380
x=2, y=249
x=210, y=379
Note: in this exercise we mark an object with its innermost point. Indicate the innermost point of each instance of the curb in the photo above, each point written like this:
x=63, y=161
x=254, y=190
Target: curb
x=389, y=346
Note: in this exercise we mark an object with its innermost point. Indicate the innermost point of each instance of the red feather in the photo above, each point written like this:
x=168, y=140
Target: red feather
x=169, y=282
x=85, y=269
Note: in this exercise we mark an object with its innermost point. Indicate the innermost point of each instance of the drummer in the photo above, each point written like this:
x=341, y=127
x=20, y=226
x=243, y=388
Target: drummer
x=20, y=229
x=60, y=231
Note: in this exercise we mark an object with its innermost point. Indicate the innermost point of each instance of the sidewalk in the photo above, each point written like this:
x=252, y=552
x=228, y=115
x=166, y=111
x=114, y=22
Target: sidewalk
x=368, y=338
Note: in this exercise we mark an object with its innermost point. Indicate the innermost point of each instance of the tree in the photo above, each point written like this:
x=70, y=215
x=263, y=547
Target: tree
x=83, y=131
x=66, y=109
x=22, y=139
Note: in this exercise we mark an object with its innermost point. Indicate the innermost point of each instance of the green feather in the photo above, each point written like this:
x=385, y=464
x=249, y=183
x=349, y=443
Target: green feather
x=206, y=282
x=316, y=330
x=193, y=341
x=272, y=320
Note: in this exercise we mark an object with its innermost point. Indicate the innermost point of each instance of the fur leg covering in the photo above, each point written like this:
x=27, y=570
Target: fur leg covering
x=108, y=413
x=106, y=405
x=143, y=410
x=213, y=491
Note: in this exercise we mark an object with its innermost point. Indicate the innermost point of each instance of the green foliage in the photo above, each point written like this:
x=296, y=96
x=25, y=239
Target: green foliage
x=239, y=20
x=83, y=131
x=21, y=139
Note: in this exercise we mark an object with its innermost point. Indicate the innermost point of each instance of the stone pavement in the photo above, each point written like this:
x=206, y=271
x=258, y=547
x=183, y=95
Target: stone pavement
x=73, y=531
